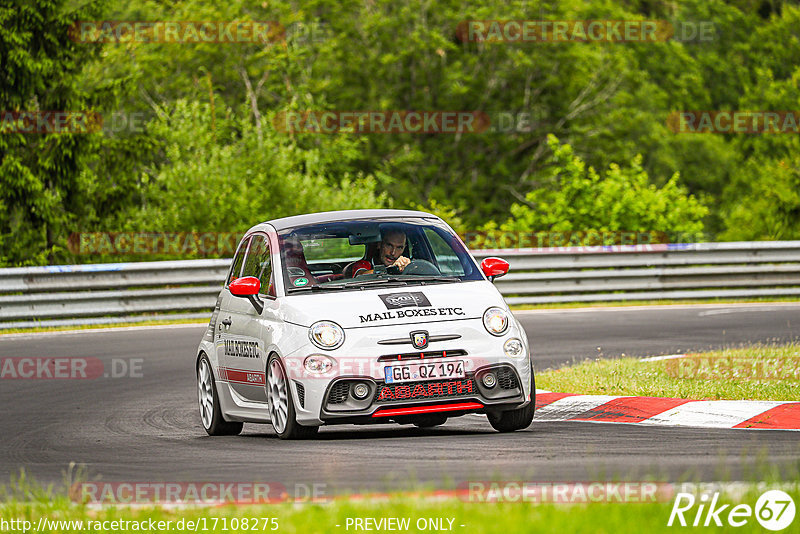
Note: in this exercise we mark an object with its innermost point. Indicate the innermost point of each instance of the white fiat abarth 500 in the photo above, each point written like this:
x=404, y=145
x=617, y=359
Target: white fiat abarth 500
x=361, y=317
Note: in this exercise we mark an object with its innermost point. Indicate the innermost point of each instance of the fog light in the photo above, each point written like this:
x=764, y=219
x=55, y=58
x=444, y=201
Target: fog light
x=360, y=391
x=489, y=380
x=318, y=363
x=513, y=348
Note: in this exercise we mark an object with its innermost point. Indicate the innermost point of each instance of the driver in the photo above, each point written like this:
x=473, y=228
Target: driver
x=389, y=253
x=391, y=248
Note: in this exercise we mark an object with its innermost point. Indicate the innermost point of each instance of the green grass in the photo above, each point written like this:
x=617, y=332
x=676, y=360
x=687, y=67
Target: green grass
x=25, y=499
x=756, y=373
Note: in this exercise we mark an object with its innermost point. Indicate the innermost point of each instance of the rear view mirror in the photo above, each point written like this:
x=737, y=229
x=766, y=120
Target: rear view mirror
x=247, y=287
x=494, y=268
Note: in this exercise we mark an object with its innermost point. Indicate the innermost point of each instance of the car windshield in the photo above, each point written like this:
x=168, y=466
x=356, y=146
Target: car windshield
x=366, y=253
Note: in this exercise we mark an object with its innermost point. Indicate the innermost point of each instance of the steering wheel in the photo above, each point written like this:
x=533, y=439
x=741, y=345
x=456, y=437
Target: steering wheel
x=419, y=268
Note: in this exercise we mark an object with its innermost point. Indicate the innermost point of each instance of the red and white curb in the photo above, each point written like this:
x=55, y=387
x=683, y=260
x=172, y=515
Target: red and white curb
x=763, y=415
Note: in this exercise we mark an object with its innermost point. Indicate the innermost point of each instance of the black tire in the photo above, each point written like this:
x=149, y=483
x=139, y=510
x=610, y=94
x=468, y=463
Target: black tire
x=519, y=419
x=429, y=421
x=218, y=425
x=293, y=429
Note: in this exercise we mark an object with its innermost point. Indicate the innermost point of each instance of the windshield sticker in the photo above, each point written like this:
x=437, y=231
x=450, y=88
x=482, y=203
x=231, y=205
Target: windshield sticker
x=300, y=282
x=402, y=314
x=405, y=300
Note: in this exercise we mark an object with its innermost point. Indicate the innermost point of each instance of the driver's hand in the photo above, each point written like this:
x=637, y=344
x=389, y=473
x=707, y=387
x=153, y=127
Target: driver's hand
x=401, y=263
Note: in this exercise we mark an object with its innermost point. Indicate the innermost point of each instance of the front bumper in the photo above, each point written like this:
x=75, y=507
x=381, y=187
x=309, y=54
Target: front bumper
x=401, y=402
x=365, y=353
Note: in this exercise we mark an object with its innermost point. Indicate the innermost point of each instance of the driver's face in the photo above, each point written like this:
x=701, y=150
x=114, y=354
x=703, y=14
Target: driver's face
x=392, y=247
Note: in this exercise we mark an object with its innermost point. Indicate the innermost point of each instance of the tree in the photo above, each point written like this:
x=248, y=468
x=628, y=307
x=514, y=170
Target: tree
x=41, y=187
x=769, y=203
x=224, y=174
x=574, y=197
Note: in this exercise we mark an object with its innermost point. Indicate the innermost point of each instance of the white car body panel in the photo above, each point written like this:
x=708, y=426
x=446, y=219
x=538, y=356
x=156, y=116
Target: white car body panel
x=238, y=353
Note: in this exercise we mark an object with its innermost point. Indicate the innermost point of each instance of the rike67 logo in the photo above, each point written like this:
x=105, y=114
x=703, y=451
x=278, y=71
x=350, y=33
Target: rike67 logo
x=774, y=510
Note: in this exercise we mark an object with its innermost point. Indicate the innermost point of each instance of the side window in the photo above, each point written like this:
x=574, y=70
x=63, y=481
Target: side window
x=258, y=263
x=446, y=257
x=237, y=262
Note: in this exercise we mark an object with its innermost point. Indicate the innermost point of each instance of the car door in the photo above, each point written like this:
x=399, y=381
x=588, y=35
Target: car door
x=247, y=335
x=226, y=302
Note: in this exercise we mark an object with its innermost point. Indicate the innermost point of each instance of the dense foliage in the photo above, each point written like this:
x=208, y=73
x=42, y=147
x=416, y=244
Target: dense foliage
x=579, y=140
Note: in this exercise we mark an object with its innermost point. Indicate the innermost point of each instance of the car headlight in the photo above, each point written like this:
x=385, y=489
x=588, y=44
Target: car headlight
x=513, y=348
x=318, y=363
x=495, y=320
x=326, y=335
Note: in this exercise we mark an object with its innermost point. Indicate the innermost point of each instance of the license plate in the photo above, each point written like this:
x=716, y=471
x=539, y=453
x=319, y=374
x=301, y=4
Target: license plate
x=417, y=372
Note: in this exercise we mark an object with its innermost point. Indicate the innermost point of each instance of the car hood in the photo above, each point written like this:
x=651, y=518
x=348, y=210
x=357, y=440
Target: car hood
x=394, y=305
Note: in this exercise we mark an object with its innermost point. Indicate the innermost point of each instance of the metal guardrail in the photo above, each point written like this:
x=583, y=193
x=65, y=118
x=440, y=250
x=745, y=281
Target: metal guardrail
x=117, y=292
x=63, y=295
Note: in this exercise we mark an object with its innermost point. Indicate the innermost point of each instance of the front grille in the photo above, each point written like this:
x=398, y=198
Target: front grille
x=339, y=393
x=425, y=390
x=507, y=378
x=301, y=393
x=422, y=355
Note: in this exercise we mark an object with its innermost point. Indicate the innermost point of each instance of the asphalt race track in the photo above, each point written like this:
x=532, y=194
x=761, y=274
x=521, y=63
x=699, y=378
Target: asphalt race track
x=147, y=428
x=560, y=337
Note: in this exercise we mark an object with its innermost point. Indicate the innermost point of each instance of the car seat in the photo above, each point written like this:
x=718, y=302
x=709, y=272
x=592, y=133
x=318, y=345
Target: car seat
x=296, y=265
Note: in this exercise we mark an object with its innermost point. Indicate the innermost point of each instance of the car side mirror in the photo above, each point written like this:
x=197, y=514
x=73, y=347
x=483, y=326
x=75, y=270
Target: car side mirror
x=494, y=268
x=248, y=287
